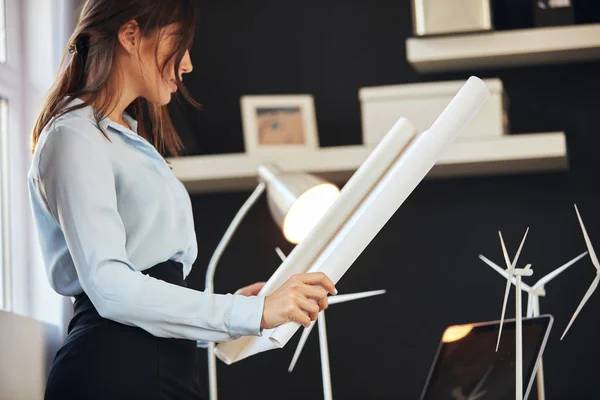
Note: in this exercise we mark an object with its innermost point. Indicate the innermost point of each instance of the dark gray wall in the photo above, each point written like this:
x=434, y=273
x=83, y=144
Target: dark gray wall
x=426, y=256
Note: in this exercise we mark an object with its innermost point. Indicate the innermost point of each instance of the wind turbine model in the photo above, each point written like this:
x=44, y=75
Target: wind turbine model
x=594, y=284
x=537, y=290
x=510, y=272
x=325, y=370
x=533, y=302
x=515, y=272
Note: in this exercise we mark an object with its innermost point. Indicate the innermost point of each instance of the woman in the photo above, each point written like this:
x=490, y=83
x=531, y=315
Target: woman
x=115, y=225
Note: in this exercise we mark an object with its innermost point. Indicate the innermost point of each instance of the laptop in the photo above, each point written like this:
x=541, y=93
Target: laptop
x=467, y=366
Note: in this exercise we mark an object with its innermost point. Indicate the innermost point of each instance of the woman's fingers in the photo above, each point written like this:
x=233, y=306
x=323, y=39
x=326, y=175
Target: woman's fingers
x=313, y=292
x=318, y=278
x=310, y=307
x=300, y=317
x=300, y=300
x=317, y=294
x=323, y=303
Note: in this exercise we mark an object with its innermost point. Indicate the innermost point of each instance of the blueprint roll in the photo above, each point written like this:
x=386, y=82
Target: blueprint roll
x=388, y=194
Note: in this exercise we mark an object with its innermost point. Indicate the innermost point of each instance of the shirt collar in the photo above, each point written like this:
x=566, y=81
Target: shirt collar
x=106, y=122
x=132, y=134
x=133, y=124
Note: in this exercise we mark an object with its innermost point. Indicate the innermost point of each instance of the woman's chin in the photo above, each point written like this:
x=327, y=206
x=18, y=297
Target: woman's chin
x=161, y=100
x=165, y=100
x=161, y=97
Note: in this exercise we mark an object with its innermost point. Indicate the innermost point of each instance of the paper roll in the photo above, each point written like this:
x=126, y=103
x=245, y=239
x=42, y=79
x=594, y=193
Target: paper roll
x=304, y=254
x=392, y=190
x=368, y=200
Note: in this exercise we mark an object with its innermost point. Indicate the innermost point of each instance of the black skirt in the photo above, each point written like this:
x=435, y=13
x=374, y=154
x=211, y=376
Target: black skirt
x=103, y=359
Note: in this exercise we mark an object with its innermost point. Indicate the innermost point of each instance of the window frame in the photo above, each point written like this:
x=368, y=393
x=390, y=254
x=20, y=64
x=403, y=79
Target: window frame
x=5, y=259
x=10, y=76
x=3, y=19
x=11, y=83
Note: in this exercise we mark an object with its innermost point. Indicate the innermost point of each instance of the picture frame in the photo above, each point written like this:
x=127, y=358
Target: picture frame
x=274, y=123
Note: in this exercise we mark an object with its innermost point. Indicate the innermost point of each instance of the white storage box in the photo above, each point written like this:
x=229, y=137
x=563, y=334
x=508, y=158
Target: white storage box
x=439, y=17
x=421, y=103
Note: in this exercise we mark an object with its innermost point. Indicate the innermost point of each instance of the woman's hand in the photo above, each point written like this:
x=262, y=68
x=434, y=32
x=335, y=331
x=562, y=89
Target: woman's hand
x=292, y=301
x=251, y=290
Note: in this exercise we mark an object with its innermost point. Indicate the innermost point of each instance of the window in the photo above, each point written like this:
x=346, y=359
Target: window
x=8, y=90
x=36, y=31
x=3, y=41
x=10, y=113
x=5, y=280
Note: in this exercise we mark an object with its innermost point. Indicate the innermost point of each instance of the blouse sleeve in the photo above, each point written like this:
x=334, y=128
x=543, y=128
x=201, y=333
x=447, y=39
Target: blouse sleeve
x=77, y=184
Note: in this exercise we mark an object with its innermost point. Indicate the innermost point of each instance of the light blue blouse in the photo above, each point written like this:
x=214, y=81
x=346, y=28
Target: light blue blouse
x=104, y=211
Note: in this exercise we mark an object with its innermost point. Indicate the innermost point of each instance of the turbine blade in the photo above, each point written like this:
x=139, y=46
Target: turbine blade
x=506, y=292
x=558, y=271
x=342, y=298
x=591, y=290
x=280, y=253
x=588, y=242
x=504, y=252
x=301, y=344
x=495, y=266
x=514, y=263
x=511, y=270
x=503, y=272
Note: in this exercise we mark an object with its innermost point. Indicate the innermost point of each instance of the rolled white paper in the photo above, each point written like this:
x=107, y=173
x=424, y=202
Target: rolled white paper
x=369, y=199
x=304, y=254
x=392, y=190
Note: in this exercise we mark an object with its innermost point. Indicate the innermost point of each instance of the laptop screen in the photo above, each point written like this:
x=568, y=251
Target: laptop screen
x=467, y=366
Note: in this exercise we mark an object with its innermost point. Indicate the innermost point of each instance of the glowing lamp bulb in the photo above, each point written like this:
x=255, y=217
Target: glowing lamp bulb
x=307, y=210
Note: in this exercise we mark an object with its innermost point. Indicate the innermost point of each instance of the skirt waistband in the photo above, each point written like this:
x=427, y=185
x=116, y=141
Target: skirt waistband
x=84, y=312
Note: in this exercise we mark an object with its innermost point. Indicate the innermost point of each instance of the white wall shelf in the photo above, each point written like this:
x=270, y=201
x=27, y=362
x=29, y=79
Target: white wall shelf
x=508, y=154
x=520, y=47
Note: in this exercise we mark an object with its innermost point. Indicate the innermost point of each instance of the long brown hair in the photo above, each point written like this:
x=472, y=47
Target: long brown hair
x=93, y=46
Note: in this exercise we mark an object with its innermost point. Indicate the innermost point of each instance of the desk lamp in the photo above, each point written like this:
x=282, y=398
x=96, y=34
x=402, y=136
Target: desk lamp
x=297, y=201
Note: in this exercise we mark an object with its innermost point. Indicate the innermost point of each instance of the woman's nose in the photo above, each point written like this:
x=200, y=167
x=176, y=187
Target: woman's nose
x=185, y=67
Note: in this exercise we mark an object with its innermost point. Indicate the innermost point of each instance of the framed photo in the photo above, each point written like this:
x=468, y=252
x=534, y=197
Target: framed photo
x=273, y=123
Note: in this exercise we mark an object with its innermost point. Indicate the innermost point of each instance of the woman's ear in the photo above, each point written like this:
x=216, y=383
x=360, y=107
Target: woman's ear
x=130, y=36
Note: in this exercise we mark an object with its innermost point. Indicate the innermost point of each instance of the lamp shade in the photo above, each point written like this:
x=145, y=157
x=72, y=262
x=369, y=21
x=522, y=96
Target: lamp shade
x=297, y=200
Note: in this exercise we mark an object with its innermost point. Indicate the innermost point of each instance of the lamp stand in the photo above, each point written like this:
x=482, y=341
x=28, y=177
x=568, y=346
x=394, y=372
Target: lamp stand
x=210, y=276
